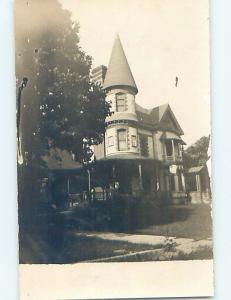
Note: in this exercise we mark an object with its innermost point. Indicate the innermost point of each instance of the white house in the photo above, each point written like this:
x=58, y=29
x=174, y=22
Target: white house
x=142, y=150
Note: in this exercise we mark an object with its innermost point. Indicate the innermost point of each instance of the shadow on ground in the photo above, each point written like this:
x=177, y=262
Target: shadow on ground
x=53, y=238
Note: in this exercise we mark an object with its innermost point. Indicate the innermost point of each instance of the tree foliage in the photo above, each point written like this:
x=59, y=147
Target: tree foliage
x=62, y=107
x=197, y=154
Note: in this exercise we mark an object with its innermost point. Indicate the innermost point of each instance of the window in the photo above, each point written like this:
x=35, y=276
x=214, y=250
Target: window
x=122, y=140
x=120, y=102
x=134, y=141
x=144, y=145
x=168, y=144
x=110, y=141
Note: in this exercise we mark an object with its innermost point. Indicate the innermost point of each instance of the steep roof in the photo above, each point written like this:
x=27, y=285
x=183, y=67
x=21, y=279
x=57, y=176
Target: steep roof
x=119, y=72
x=154, y=117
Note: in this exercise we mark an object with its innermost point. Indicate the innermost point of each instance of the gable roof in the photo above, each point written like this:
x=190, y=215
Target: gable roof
x=154, y=117
x=119, y=72
x=57, y=159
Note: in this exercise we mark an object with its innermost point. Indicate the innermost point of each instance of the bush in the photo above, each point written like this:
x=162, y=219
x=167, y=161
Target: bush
x=128, y=214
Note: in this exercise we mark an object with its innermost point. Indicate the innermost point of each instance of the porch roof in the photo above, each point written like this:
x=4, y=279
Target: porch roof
x=127, y=156
x=195, y=169
x=172, y=136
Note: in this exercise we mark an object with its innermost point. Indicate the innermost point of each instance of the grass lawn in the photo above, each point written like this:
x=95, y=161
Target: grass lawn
x=186, y=221
x=86, y=248
x=62, y=245
x=71, y=248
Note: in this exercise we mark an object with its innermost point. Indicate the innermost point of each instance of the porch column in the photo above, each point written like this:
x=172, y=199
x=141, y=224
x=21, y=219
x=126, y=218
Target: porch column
x=113, y=176
x=198, y=183
x=179, y=149
x=140, y=176
x=167, y=185
x=68, y=185
x=68, y=192
x=157, y=179
x=173, y=150
x=183, y=181
x=176, y=182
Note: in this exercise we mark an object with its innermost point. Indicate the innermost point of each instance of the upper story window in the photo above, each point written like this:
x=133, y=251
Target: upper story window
x=122, y=139
x=121, y=102
x=169, y=150
x=172, y=147
x=134, y=141
x=144, y=145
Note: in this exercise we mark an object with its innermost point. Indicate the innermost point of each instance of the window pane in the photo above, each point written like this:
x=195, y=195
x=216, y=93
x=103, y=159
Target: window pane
x=134, y=141
x=169, y=147
x=144, y=145
x=122, y=135
x=122, y=145
x=122, y=140
x=120, y=102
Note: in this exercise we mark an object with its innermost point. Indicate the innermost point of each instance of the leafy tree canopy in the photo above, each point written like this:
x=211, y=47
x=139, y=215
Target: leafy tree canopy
x=62, y=108
x=197, y=154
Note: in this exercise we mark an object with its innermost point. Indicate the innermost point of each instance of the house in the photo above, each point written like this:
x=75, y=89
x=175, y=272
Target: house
x=142, y=151
x=141, y=155
x=198, y=184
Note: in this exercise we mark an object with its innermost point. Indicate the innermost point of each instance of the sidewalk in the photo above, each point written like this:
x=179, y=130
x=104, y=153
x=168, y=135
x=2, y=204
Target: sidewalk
x=153, y=240
x=184, y=248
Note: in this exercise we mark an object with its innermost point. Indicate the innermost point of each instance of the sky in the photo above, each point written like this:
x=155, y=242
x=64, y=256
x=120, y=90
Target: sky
x=162, y=40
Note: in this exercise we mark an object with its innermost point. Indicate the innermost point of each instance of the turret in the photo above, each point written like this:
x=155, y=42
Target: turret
x=120, y=85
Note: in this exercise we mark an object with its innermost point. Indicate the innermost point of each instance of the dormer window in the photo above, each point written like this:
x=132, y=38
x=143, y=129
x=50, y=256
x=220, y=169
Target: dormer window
x=121, y=102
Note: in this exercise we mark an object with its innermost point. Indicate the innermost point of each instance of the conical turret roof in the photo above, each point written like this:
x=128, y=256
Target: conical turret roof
x=119, y=72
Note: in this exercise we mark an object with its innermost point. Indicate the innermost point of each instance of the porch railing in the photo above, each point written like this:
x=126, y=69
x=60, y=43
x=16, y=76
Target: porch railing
x=172, y=158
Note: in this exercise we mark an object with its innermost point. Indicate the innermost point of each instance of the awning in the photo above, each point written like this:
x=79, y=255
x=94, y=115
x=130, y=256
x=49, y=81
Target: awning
x=195, y=169
x=172, y=136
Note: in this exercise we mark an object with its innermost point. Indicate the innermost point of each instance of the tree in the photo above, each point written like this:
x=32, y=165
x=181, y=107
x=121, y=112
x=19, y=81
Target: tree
x=62, y=107
x=197, y=154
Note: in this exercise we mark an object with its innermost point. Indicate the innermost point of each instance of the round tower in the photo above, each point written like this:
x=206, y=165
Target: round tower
x=121, y=134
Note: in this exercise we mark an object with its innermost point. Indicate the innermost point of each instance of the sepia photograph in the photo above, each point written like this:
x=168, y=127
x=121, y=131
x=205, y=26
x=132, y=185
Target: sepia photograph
x=113, y=132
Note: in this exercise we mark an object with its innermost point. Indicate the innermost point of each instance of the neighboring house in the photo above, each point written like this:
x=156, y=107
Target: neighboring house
x=198, y=184
x=142, y=150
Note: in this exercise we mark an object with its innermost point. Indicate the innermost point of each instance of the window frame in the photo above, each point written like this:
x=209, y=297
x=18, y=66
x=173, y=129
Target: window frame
x=134, y=141
x=124, y=140
x=123, y=98
x=144, y=151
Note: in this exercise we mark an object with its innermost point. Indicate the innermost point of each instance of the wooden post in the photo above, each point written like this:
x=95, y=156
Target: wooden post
x=140, y=176
x=183, y=182
x=68, y=185
x=113, y=176
x=173, y=150
x=89, y=182
x=198, y=182
x=176, y=182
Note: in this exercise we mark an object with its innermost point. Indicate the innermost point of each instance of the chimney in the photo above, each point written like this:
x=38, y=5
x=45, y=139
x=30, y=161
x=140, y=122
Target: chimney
x=98, y=74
